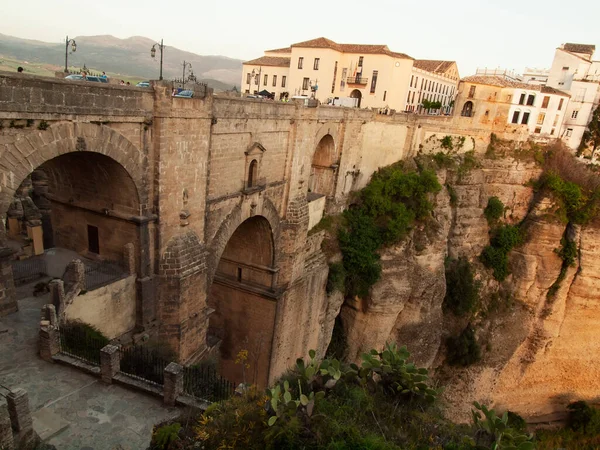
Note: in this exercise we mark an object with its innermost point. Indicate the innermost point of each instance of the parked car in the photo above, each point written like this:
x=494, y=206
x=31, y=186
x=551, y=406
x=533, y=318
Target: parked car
x=143, y=84
x=92, y=78
x=185, y=94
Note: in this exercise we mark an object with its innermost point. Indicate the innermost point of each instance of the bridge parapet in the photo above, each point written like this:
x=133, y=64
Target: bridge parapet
x=29, y=94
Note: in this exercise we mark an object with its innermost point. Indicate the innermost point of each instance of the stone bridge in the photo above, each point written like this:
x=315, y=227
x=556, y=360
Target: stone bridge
x=216, y=194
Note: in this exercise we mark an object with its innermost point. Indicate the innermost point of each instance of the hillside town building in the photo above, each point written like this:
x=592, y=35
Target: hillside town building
x=373, y=76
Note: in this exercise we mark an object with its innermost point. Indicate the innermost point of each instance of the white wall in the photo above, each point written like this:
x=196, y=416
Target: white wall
x=429, y=85
x=270, y=71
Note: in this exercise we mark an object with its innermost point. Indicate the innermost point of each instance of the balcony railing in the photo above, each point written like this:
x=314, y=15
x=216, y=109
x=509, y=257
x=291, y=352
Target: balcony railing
x=357, y=80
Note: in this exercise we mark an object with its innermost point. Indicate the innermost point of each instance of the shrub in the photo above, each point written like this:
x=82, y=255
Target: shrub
x=443, y=160
x=584, y=418
x=83, y=340
x=497, y=432
x=462, y=291
x=468, y=163
x=463, y=350
x=164, y=436
x=446, y=142
x=387, y=209
x=495, y=255
x=494, y=210
x=336, y=278
x=43, y=125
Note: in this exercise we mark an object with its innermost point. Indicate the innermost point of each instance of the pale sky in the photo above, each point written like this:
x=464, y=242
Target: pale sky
x=510, y=34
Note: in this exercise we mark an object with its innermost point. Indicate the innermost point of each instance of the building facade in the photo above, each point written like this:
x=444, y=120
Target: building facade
x=500, y=100
x=575, y=72
x=372, y=75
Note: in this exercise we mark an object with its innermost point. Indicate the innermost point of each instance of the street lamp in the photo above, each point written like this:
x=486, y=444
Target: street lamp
x=185, y=65
x=73, y=48
x=161, y=47
x=257, y=74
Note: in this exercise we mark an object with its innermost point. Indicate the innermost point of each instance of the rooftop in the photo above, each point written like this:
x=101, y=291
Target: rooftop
x=431, y=65
x=280, y=50
x=274, y=61
x=506, y=83
x=586, y=49
x=351, y=48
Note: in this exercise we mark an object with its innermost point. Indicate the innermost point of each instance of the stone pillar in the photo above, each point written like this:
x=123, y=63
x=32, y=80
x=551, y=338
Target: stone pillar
x=57, y=295
x=173, y=384
x=129, y=258
x=110, y=362
x=18, y=408
x=35, y=233
x=49, y=314
x=6, y=436
x=49, y=341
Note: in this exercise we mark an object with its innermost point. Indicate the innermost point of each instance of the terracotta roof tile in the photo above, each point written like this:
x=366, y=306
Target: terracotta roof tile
x=586, y=49
x=276, y=61
x=280, y=50
x=551, y=90
x=431, y=65
x=350, y=48
x=503, y=82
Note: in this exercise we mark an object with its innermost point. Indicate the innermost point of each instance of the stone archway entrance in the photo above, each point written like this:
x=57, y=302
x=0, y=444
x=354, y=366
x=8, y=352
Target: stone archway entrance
x=243, y=298
x=358, y=95
x=322, y=175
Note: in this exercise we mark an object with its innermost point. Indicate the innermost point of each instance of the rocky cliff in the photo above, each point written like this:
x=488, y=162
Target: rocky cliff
x=539, y=351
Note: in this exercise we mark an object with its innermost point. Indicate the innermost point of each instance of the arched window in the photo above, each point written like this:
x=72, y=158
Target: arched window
x=467, y=110
x=252, y=173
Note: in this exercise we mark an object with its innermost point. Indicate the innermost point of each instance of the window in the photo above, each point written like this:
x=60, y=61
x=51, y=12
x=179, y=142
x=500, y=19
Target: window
x=412, y=78
x=569, y=132
x=574, y=114
x=385, y=95
x=515, y=118
x=305, y=84
x=552, y=131
x=274, y=80
x=565, y=68
x=541, y=118
x=248, y=78
x=416, y=81
x=256, y=80
x=334, y=77
x=487, y=112
x=300, y=62
x=413, y=97
x=545, y=102
x=408, y=99
x=252, y=173
x=472, y=91
x=283, y=78
x=560, y=103
x=555, y=120
x=538, y=130
x=525, y=118
x=93, y=240
x=360, y=61
x=374, y=82
x=522, y=99
x=316, y=64
x=530, y=100
x=422, y=81
x=265, y=80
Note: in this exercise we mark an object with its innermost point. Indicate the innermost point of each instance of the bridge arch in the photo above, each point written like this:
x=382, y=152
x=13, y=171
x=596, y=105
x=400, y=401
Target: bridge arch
x=32, y=149
x=323, y=167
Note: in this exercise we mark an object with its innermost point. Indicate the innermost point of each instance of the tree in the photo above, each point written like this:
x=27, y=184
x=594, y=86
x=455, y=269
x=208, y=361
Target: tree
x=591, y=136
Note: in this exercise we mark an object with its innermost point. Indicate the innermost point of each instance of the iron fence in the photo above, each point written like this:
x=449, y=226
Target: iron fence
x=27, y=270
x=144, y=364
x=102, y=273
x=81, y=343
x=204, y=383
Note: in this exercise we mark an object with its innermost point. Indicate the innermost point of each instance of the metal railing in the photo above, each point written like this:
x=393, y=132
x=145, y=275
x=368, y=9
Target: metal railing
x=144, y=364
x=81, y=343
x=102, y=273
x=204, y=383
x=357, y=80
x=28, y=270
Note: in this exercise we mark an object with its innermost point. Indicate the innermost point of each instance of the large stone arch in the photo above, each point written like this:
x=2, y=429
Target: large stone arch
x=32, y=148
x=233, y=220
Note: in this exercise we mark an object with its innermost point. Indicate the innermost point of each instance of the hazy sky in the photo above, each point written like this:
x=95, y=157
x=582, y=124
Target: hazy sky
x=476, y=33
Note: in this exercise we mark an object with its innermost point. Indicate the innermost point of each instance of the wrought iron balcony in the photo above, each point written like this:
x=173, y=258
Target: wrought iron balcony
x=357, y=80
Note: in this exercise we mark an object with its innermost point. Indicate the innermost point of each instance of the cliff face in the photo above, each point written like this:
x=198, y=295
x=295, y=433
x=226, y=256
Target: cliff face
x=539, y=353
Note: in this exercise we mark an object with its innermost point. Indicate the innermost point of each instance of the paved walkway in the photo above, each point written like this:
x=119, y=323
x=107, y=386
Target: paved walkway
x=74, y=410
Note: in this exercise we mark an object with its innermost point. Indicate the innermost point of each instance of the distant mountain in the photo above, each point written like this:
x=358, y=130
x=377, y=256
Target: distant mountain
x=129, y=56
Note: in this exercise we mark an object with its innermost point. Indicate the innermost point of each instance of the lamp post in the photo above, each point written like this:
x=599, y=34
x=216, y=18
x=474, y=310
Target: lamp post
x=161, y=47
x=257, y=74
x=73, y=48
x=185, y=65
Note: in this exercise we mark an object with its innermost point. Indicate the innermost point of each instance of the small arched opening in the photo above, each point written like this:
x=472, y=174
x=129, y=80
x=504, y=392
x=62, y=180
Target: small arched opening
x=244, y=304
x=322, y=175
x=358, y=95
x=252, y=173
x=467, y=110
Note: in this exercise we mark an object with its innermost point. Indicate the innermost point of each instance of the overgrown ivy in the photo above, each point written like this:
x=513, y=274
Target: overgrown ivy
x=495, y=255
x=494, y=210
x=462, y=291
x=385, y=212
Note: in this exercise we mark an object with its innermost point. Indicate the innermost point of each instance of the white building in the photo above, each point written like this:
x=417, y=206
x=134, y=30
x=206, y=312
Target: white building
x=574, y=71
x=436, y=81
x=536, y=76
